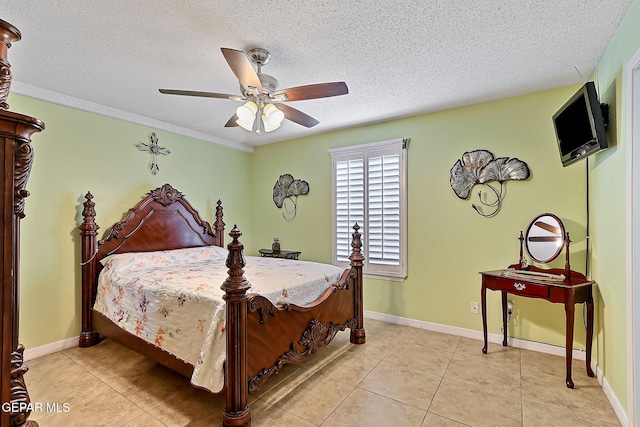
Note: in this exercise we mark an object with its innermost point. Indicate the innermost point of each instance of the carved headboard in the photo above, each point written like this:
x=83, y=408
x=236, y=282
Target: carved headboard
x=163, y=220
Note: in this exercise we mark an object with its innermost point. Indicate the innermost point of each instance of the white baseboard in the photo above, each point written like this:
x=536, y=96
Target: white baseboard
x=515, y=342
x=470, y=333
x=43, y=350
x=615, y=403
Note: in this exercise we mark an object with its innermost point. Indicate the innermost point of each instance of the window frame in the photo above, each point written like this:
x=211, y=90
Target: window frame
x=364, y=151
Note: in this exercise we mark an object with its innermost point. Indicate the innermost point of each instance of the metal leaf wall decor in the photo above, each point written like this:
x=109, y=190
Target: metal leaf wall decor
x=288, y=189
x=480, y=167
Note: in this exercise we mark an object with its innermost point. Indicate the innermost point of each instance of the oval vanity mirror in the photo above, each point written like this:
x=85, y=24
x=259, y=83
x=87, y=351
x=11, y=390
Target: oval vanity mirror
x=545, y=238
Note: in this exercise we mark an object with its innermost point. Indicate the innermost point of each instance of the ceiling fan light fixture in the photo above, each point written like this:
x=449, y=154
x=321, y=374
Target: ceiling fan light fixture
x=247, y=113
x=245, y=125
x=268, y=127
x=272, y=116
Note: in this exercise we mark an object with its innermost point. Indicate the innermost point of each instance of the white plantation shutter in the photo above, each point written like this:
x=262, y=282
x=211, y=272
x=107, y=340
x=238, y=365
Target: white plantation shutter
x=349, y=209
x=383, y=226
x=369, y=184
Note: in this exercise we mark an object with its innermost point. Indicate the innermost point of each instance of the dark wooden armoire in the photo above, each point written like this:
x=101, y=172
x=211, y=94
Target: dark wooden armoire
x=16, y=155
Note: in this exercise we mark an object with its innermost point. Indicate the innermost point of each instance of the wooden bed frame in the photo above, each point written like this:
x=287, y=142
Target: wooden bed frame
x=260, y=337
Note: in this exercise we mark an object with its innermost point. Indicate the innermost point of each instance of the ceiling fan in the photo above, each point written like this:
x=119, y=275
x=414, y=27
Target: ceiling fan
x=261, y=96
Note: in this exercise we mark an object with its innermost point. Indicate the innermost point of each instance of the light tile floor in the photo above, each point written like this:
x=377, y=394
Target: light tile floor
x=401, y=377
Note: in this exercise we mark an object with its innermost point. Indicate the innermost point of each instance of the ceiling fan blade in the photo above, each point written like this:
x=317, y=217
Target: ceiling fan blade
x=232, y=122
x=242, y=68
x=202, y=94
x=297, y=116
x=320, y=90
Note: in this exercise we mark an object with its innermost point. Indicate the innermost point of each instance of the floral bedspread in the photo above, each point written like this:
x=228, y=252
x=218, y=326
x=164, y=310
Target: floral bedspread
x=173, y=299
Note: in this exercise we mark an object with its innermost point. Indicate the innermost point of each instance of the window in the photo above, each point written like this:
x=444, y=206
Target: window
x=369, y=187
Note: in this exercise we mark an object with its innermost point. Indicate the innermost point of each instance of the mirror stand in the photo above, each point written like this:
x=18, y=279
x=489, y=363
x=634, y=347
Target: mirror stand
x=524, y=265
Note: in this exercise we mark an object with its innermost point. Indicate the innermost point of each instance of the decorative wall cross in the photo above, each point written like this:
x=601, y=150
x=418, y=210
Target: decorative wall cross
x=154, y=149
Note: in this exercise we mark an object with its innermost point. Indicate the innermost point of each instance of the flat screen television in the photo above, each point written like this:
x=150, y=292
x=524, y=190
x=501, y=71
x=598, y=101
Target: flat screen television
x=580, y=127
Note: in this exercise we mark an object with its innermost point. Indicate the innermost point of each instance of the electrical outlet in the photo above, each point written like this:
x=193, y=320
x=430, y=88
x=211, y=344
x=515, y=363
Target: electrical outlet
x=474, y=308
x=510, y=307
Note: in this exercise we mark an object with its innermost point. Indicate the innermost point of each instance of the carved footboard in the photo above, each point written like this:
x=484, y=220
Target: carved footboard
x=290, y=333
x=262, y=338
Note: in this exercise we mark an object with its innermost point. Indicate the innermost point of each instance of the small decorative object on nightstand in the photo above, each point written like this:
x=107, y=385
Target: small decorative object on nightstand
x=275, y=246
x=270, y=253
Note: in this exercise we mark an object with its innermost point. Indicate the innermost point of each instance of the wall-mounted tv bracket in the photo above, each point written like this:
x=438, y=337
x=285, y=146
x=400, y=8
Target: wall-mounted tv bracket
x=605, y=113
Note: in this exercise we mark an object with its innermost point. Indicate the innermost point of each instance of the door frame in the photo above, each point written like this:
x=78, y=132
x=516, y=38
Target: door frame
x=633, y=237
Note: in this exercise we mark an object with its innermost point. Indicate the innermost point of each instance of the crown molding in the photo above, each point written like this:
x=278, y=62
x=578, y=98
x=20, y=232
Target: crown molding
x=115, y=113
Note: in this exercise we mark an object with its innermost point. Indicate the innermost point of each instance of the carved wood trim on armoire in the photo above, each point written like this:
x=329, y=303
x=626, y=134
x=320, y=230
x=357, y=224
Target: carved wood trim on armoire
x=16, y=157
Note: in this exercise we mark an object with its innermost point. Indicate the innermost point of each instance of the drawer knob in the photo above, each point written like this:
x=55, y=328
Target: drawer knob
x=519, y=286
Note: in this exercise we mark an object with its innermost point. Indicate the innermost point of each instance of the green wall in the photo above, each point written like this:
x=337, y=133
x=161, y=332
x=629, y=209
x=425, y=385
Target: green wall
x=608, y=192
x=80, y=152
x=449, y=243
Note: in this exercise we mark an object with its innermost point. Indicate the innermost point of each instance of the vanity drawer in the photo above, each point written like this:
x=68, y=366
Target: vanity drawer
x=520, y=287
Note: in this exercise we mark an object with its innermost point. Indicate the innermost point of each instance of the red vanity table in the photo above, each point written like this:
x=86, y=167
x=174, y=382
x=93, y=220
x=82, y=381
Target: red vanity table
x=544, y=240
x=573, y=290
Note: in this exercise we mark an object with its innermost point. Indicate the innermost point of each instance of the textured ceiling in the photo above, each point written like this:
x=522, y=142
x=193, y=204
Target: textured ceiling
x=399, y=58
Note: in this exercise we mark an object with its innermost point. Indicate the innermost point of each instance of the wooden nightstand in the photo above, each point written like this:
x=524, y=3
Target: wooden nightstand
x=282, y=254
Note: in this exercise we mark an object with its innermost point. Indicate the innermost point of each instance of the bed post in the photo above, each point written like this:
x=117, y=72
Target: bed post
x=218, y=226
x=236, y=412
x=358, y=333
x=88, y=231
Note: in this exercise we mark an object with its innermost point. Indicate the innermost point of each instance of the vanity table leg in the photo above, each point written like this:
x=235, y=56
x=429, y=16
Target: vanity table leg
x=504, y=319
x=589, y=332
x=569, y=307
x=483, y=303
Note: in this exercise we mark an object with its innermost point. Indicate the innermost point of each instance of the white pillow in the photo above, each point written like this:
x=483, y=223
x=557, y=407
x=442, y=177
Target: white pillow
x=135, y=261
